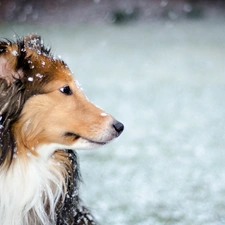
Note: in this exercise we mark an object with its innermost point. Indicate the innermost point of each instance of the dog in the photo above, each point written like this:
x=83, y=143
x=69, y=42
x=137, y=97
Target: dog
x=44, y=119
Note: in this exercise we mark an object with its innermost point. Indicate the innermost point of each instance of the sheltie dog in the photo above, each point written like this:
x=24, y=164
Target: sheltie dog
x=44, y=118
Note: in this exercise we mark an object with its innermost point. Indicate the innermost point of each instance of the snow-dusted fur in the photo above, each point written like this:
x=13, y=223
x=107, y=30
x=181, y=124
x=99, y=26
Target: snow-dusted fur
x=44, y=119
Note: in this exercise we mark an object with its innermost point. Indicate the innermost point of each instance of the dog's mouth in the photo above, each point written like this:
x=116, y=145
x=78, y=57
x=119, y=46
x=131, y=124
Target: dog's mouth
x=96, y=142
x=76, y=137
x=72, y=135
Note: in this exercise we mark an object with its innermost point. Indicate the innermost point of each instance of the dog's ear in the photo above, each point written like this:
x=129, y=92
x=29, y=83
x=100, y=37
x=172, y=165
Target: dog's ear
x=10, y=57
x=13, y=61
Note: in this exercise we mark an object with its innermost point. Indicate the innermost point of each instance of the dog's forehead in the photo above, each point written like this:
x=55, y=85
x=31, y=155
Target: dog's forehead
x=49, y=65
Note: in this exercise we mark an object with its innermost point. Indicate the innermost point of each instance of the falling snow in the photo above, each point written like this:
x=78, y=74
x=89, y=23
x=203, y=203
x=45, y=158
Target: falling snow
x=39, y=75
x=15, y=53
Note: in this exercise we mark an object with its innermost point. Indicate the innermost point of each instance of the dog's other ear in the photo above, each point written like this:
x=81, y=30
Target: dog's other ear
x=10, y=53
x=35, y=42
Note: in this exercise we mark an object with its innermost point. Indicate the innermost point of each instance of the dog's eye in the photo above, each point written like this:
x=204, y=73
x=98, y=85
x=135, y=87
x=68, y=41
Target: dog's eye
x=66, y=90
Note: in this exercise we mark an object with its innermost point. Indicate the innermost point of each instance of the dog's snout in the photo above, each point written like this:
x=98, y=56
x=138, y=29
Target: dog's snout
x=119, y=127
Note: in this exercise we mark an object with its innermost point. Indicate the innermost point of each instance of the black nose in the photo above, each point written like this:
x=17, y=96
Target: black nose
x=118, y=127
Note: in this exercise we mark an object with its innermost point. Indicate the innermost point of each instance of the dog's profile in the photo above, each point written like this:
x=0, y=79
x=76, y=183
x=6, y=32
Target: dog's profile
x=44, y=118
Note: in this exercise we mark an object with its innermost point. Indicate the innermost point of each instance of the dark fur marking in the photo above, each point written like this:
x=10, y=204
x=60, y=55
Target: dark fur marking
x=79, y=214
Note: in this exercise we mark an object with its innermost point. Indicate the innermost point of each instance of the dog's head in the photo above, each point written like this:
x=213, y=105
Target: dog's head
x=42, y=108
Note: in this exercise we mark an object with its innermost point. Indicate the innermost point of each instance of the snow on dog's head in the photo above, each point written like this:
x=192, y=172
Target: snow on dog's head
x=42, y=108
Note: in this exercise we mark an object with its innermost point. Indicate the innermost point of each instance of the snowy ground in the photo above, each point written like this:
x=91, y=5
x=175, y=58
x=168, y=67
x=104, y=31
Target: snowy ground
x=166, y=82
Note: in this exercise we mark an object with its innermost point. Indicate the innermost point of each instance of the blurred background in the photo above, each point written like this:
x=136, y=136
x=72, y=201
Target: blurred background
x=158, y=66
